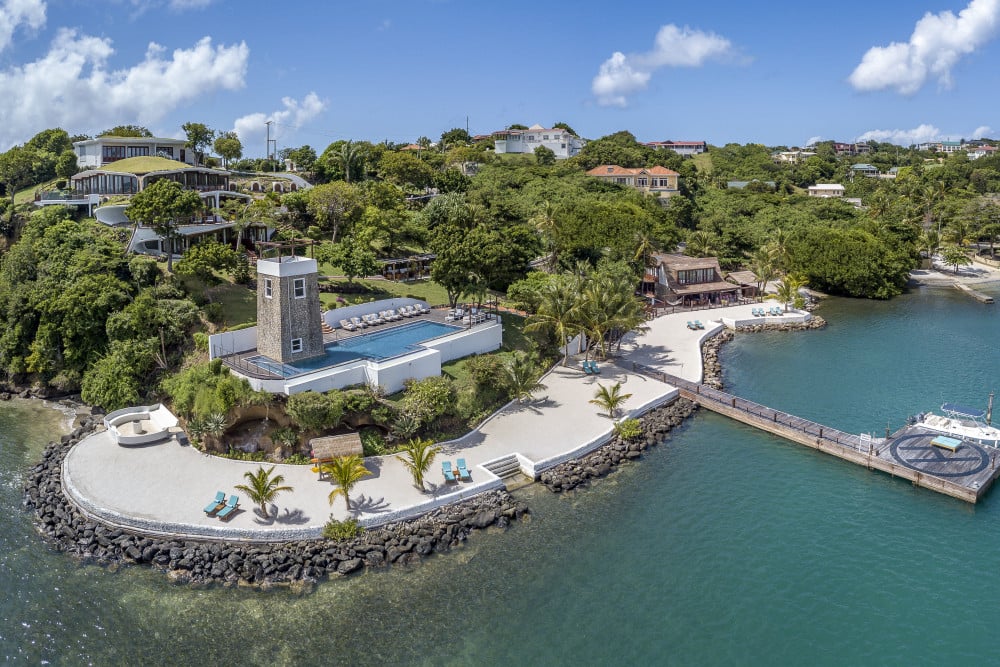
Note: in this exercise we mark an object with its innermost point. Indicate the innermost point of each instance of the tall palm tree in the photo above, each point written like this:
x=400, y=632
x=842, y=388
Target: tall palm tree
x=262, y=488
x=547, y=225
x=764, y=266
x=418, y=455
x=558, y=310
x=348, y=156
x=521, y=374
x=345, y=471
x=930, y=242
x=788, y=291
x=610, y=398
x=645, y=247
x=701, y=244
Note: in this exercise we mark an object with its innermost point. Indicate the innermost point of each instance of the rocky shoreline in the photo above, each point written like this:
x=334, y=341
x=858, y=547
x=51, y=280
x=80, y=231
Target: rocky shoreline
x=297, y=564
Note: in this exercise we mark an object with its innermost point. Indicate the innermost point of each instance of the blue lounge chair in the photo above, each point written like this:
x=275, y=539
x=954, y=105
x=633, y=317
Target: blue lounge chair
x=586, y=367
x=698, y=324
x=215, y=505
x=449, y=476
x=463, y=472
x=594, y=368
x=231, y=505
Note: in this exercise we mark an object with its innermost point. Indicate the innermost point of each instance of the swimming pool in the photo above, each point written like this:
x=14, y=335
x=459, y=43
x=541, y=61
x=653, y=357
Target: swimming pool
x=377, y=345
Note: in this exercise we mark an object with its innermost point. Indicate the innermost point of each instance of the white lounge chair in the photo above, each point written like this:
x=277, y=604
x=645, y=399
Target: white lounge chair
x=348, y=326
x=422, y=308
x=358, y=322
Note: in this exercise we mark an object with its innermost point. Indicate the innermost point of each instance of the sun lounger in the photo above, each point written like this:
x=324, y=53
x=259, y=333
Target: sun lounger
x=591, y=367
x=422, y=308
x=347, y=326
x=698, y=324
x=406, y=311
x=586, y=367
x=229, y=508
x=393, y=315
x=358, y=322
x=463, y=472
x=449, y=476
x=217, y=504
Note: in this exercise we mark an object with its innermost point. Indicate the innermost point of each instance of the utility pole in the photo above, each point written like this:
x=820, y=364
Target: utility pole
x=267, y=147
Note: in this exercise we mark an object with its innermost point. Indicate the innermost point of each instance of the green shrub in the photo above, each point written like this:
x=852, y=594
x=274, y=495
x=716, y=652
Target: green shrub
x=245, y=325
x=628, y=429
x=315, y=412
x=201, y=341
x=342, y=530
x=213, y=311
x=372, y=442
x=428, y=399
x=238, y=455
x=298, y=459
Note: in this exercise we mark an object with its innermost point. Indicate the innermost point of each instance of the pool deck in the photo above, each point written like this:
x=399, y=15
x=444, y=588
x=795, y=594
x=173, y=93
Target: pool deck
x=162, y=488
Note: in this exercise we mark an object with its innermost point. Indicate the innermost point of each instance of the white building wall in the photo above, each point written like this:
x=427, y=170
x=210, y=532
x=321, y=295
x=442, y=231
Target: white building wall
x=231, y=342
x=480, y=339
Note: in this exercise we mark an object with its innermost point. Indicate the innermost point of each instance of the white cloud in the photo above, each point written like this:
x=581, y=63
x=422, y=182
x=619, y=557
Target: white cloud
x=621, y=75
x=921, y=134
x=937, y=44
x=181, y=5
x=15, y=13
x=72, y=87
x=252, y=130
x=812, y=141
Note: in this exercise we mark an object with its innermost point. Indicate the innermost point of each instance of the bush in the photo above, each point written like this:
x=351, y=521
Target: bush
x=144, y=271
x=372, y=442
x=342, y=530
x=238, y=455
x=313, y=411
x=428, y=399
x=298, y=459
x=628, y=429
x=213, y=312
x=205, y=389
x=201, y=341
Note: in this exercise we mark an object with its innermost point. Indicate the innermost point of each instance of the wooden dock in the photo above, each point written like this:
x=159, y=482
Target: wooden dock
x=978, y=296
x=965, y=473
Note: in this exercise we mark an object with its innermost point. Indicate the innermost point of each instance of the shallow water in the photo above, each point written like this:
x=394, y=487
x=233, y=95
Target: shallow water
x=724, y=545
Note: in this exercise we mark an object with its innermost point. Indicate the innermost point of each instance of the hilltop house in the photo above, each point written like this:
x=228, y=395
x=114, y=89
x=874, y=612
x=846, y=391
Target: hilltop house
x=679, y=147
x=692, y=281
x=864, y=169
x=657, y=180
x=561, y=142
x=792, y=157
x=96, y=153
x=826, y=190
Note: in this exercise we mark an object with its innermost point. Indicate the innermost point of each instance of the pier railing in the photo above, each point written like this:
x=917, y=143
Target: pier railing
x=752, y=412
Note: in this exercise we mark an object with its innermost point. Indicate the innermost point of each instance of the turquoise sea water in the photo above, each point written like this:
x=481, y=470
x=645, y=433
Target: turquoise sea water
x=724, y=546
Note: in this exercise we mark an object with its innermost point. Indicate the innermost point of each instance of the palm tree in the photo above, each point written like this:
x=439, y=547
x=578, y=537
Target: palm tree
x=548, y=227
x=645, y=247
x=520, y=370
x=701, y=244
x=558, y=312
x=763, y=264
x=930, y=242
x=348, y=156
x=788, y=291
x=345, y=472
x=418, y=455
x=610, y=398
x=262, y=488
x=215, y=425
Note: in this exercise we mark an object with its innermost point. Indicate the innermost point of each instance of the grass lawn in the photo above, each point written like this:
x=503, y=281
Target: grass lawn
x=239, y=303
x=703, y=163
x=28, y=194
x=426, y=290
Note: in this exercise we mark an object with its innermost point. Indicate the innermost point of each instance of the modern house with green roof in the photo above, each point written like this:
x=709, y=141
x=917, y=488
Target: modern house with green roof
x=102, y=151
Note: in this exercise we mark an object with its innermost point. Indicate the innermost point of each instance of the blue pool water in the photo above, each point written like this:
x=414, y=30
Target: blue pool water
x=377, y=345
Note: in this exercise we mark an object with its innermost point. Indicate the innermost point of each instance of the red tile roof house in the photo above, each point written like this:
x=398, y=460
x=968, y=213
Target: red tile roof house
x=692, y=281
x=657, y=180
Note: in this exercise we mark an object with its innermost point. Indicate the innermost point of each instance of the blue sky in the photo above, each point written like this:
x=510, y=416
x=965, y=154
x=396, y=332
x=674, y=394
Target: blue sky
x=775, y=73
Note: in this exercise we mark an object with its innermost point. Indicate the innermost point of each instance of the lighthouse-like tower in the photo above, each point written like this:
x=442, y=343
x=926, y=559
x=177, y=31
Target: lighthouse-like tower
x=289, y=320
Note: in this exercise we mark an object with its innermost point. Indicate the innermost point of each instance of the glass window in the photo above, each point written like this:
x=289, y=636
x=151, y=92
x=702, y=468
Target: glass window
x=268, y=290
x=299, y=288
x=296, y=345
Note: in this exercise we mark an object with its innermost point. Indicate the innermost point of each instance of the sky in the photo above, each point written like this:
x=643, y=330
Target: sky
x=777, y=73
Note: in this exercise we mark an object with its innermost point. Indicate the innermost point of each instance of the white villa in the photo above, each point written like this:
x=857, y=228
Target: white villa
x=96, y=153
x=679, y=147
x=826, y=190
x=563, y=143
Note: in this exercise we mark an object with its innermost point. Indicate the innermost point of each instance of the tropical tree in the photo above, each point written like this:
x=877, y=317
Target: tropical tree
x=787, y=291
x=930, y=242
x=701, y=244
x=345, y=471
x=215, y=425
x=229, y=147
x=558, y=310
x=955, y=256
x=350, y=156
x=334, y=205
x=418, y=455
x=162, y=206
x=15, y=173
x=522, y=376
x=547, y=224
x=610, y=398
x=763, y=264
x=263, y=486
x=199, y=137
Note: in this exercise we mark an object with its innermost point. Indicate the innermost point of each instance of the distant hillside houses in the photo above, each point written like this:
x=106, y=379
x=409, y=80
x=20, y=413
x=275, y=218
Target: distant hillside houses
x=657, y=180
x=791, y=157
x=679, y=147
x=561, y=142
x=974, y=149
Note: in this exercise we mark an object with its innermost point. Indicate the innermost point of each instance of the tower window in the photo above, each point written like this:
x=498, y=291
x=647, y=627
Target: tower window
x=296, y=345
x=268, y=289
x=299, y=288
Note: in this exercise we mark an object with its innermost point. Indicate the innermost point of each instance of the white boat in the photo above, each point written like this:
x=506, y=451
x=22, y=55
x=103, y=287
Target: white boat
x=961, y=422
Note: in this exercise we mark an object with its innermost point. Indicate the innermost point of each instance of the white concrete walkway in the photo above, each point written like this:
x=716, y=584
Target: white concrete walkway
x=163, y=488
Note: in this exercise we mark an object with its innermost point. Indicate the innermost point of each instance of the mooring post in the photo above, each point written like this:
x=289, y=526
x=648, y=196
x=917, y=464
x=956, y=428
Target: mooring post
x=821, y=431
x=734, y=401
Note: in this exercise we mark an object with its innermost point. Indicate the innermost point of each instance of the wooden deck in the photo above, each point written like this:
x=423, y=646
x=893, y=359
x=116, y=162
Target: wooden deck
x=965, y=473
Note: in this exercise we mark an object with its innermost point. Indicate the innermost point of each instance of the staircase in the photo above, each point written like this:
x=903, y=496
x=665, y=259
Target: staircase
x=505, y=467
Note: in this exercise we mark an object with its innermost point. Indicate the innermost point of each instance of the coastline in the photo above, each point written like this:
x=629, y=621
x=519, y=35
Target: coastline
x=437, y=530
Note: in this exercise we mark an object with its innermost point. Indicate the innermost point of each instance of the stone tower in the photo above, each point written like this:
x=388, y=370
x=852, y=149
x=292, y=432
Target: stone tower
x=289, y=320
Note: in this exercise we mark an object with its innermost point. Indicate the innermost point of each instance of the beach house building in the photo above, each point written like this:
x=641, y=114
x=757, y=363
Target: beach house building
x=562, y=142
x=657, y=180
x=686, y=148
x=692, y=281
